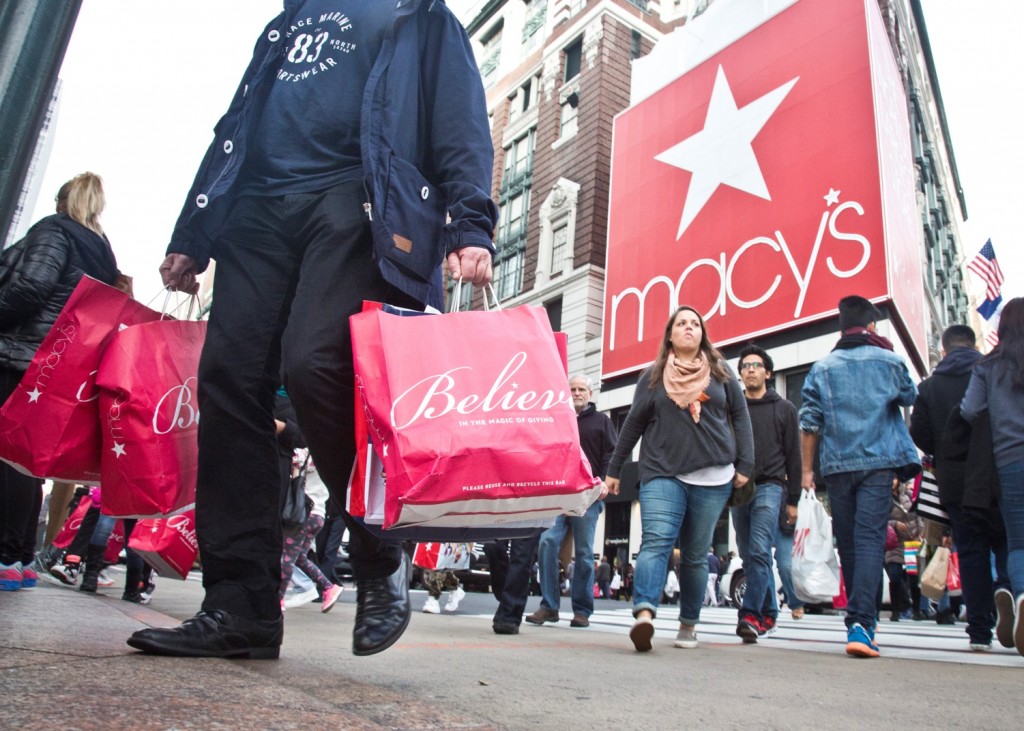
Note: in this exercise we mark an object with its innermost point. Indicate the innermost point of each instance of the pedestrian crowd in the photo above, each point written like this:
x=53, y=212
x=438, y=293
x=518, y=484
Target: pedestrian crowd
x=317, y=196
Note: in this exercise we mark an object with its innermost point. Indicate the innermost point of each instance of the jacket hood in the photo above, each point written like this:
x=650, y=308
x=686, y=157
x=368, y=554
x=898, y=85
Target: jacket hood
x=770, y=395
x=958, y=362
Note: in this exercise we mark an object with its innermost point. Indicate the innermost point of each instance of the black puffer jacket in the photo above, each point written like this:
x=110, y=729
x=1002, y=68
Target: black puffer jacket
x=38, y=275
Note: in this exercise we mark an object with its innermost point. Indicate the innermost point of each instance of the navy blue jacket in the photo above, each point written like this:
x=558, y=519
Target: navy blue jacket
x=426, y=149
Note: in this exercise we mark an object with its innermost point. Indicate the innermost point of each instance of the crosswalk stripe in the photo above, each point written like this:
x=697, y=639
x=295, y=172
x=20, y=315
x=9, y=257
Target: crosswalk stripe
x=907, y=640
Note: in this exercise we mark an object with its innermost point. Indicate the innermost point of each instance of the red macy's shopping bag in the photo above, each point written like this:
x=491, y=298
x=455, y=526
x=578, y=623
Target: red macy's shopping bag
x=953, y=584
x=50, y=425
x=69, y=530
x=150, y=418
x=480, y=433
x=169, y=545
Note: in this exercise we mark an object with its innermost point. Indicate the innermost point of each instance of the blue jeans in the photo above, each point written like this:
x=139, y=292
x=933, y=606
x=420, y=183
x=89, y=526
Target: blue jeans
x=670, y=510
x=784, y=559
x=756, y=524
x=583, y=571
x=1011, y=503
x=860, y=503
x=980, y=538
x=101, y=534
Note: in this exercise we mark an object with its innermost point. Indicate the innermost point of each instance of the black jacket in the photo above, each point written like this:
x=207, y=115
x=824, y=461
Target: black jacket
x=597, y=437
x=38, y=275
x=968, y=477
x=937, y=397
x=776, y=442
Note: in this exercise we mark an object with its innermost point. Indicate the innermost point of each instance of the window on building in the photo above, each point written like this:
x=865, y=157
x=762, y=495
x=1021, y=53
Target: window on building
x=795, y=385
x=567, y=124
x=557, y=219
x=573, y=56
x=636, y=46
x=508, y=273
x=519, y=158
x=511, y=244
x=491, y=56
x=533, y=25
x=554, y=310
x=559, y=247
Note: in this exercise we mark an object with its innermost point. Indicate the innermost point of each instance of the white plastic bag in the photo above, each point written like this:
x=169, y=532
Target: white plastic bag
x=815, y=568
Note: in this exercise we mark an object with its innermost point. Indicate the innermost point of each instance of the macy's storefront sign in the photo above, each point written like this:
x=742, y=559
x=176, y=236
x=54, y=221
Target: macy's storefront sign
x=772, y=177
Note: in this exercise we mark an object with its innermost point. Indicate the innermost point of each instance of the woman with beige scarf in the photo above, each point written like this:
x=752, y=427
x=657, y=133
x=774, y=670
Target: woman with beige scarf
x=697, y=448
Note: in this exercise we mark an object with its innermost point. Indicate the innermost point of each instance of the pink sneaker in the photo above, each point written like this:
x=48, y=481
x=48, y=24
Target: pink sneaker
x=29, y=576
x=331, y=595
x=10, y=576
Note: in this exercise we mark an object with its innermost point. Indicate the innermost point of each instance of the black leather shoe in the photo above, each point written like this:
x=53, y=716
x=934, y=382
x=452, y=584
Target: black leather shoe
x=214, y=634
x=383, y=610
x=505, y=628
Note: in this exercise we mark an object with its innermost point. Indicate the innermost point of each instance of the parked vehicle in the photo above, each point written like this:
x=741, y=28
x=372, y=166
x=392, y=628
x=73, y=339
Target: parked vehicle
x=733, y=584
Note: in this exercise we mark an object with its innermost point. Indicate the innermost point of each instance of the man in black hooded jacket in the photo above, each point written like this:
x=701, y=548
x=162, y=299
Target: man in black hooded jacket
x=977, y=532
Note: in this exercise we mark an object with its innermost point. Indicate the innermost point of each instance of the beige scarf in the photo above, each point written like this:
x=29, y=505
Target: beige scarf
x=685, y=382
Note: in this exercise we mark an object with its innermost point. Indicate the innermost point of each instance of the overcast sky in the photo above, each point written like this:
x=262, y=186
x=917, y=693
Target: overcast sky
x=144, y=81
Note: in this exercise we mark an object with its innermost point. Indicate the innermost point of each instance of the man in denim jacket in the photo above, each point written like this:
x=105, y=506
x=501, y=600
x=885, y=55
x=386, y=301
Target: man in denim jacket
x=851, y=410
x=354, y=160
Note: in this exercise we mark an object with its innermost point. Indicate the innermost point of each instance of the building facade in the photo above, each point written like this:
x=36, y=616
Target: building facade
x=557, y=72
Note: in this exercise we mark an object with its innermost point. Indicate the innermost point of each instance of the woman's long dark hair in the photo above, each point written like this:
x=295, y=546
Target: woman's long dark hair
x=714, y=356
x=1011, y=341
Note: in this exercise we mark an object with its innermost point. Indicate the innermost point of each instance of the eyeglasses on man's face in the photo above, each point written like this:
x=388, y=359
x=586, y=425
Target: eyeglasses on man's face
x=751, y=365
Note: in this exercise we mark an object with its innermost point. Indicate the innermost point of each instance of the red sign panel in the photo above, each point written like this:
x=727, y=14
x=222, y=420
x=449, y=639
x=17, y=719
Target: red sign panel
x=763, y=185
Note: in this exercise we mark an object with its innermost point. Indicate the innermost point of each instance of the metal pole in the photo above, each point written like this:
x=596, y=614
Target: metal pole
x=34, y=35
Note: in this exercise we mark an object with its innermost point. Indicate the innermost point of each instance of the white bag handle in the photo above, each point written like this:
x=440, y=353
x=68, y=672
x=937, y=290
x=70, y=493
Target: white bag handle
x=166, y=310
x=457, y=297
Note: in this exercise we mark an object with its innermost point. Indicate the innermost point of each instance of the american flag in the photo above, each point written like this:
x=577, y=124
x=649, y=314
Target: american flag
x=985, y=266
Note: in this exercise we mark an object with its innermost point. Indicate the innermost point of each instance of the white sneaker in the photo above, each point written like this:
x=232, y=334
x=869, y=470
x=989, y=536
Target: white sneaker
x=431, y=606
x=454, y=597
x=104, y=579
x=298, y=598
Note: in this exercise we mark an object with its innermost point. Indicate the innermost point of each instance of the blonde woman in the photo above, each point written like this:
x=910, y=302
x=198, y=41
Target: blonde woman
x=37, y=276
x=697, y=448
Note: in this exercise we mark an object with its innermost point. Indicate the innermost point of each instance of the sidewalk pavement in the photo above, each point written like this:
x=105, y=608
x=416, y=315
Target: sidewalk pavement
x=65, y=664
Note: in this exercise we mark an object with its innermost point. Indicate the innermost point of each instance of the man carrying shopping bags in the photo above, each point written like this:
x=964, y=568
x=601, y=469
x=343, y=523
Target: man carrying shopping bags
x=308, y=212
x=851, y=407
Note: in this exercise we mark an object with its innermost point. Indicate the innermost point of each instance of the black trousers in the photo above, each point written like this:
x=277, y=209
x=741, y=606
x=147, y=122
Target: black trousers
x=21, y=497
x=510, y=564
x=290, y=271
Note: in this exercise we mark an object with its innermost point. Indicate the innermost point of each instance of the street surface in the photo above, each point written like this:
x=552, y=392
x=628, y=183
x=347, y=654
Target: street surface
x=63, y=652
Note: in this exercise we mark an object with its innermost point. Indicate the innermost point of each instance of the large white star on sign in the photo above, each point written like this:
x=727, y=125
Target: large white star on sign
x=118, y=449
x=722, y=152
x=34, y=395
